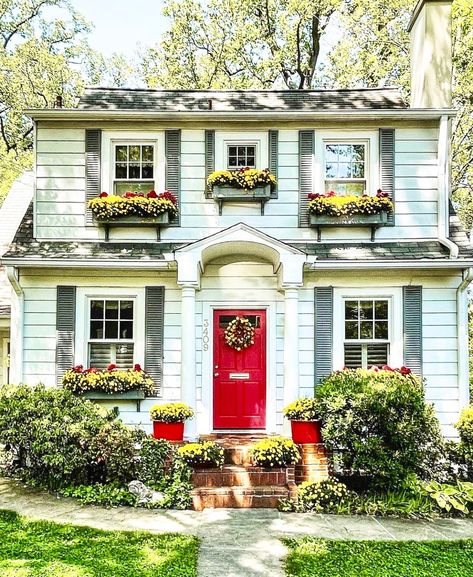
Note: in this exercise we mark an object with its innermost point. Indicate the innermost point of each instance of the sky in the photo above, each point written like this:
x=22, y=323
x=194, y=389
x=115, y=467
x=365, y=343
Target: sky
x=119, y=25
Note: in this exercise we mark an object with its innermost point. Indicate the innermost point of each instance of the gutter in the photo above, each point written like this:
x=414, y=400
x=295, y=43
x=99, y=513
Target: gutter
x=397, y=264
x=16, y=326
x=89, y=263
x=462, y=339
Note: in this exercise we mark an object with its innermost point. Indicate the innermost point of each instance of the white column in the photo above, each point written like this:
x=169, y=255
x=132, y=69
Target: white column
x=188, y=345
x=291, y=346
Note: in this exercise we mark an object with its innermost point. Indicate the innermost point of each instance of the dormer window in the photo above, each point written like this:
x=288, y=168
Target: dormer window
x=240, y=156
x=345, y=166
x=134, y=167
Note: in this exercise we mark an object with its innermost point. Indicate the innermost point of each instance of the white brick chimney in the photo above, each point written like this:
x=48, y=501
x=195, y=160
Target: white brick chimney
x=431, y=54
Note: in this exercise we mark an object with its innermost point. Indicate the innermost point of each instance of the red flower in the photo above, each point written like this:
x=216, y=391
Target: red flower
x=387, y=368
x=92, y=370
x=152, y=194
x=129, y=194
x=78, y=368
x=103, y=194
x=137, y=367
x=381, y=194
x=167, y=195
x=331, y=193
x=405, y=371
x=313, y=195
x=111, y=366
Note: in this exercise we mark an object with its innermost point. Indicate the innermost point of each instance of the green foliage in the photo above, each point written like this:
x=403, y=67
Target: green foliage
x=312, y=556
x=322, y=497
x=49, y=432
x=171, y=412
x=110, y=495
x=380, y=423
x=458, y=497
x=153, y=457
x=465, y=426
x=40, y=549
x=177, y=486
x=305, y=409
x=206, y=453
x=275, y=452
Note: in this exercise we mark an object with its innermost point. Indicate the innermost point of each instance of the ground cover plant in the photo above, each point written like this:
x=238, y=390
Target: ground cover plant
x=40, y=549
x=310, y=557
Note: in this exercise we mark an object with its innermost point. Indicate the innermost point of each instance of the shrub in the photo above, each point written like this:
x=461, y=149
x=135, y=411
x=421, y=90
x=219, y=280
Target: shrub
x=171, y=412
x=275, y=452
x=112, y=495
x=154, y=457
x=457, y=497
x=380, y=422
x=207, y=454
x=322, y=497
x=306, y=409
x=48, y=433
x=113, y=380
x=465, y=427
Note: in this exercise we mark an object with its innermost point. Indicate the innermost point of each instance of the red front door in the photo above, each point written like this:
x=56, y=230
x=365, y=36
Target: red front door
x=239, y=376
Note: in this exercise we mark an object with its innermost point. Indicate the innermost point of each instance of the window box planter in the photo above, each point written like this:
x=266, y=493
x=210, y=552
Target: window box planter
x=222, y=193
x=306, y=432
x=137, y=396
x=369, y=220
x=132, y=221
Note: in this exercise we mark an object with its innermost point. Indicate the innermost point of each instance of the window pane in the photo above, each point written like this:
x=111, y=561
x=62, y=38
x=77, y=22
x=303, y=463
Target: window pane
x=344, y=170
x=120, y=171
x=124, y=356
x=366, y=330
x=144, y=187
x=147, y=171
x=126, y=309
x=250, y=161
x=111, y=309
x=330, y=171
x=232, y=150
x=357, y=170
x=344, y=152
x=121, y=153
x=358, y=152
x=111, y=329
x=377, y=355
x=148, y=153
x=126, y=329
x=351, y=330
x=241, y=150
x=250, y=150
x=345, y=188
x=134, y=152
x=96, y=309
x=353, y=359
x=100, y=355
x=351, y=310
x=381, y=329
x=232, y=161
x=134, y=171
x=381, y=310
x=366, y=310
x=331, y=152
x=96, y=330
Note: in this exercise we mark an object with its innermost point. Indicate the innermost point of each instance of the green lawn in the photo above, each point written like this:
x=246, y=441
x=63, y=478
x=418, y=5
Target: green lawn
x=312, y=557
x=43, y=549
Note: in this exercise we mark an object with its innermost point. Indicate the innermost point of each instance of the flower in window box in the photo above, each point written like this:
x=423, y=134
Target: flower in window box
x=110, y=380
x=330, y=204
x=244, y=178
x=133, y=204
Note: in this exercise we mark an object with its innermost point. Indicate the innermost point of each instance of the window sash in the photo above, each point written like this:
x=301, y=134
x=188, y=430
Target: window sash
x=360, y=320
x=118, y=320
x=146, y=181
x=237, y=155
x=332, y=182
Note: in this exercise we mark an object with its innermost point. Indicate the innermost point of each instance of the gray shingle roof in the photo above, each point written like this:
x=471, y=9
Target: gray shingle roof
x=25, y=246
x=458, y=234
x=239, y=100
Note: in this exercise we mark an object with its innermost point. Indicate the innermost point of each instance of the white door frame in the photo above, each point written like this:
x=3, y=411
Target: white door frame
x=205, y=417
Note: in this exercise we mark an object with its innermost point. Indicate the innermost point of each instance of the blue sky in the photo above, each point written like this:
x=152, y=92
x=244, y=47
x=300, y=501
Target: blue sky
x=120, y=25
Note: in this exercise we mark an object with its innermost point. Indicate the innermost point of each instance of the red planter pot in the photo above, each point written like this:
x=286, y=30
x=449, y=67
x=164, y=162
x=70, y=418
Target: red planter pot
x=168, y=431
x=306, y=432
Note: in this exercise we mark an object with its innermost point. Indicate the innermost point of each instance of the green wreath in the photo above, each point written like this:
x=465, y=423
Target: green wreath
x=239, y=334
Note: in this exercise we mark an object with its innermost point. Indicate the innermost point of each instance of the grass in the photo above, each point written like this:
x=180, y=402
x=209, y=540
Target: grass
x=312, y=557
x=44, y=549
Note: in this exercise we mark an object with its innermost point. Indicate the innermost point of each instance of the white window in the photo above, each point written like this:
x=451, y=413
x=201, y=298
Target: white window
x=111, y=332
x=240, y=156
x=367, y=330
x=346, y=167
x=133, y=167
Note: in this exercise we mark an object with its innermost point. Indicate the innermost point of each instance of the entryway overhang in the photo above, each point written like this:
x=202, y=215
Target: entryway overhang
x=240, y=239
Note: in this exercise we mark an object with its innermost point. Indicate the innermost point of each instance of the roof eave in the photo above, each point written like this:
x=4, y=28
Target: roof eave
x=340, y=115
x=376, y=264
x=163, y=263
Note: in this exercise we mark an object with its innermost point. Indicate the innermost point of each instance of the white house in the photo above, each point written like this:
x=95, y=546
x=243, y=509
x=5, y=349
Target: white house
x=318, y=299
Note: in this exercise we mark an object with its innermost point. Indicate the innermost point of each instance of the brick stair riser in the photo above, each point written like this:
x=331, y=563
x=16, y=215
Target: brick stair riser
x=261, y=497
x=314, y=465
x=250, y=478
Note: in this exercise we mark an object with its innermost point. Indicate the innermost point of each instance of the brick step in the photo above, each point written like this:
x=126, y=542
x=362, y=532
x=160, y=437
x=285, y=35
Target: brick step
x=238, y=497
x=240, y=476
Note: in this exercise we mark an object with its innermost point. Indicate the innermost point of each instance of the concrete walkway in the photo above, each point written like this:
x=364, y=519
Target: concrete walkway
x=234, y=542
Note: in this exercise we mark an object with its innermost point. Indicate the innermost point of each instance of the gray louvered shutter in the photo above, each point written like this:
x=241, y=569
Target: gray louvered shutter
x=173, y=168
x=412, y=316
x=273, y=141
x=209, y=158
x=387, y=143
x=65, y=329
x=306, y=176
x=323, y=324
x=93, y=139
x=154, y=334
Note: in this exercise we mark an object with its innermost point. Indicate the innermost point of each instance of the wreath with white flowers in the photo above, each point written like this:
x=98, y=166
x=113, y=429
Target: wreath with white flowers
x=239, y=334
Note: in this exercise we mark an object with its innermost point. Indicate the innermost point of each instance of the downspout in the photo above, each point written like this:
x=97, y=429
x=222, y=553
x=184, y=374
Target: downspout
x=443, y=178
x=16, y=326
x=462, y=339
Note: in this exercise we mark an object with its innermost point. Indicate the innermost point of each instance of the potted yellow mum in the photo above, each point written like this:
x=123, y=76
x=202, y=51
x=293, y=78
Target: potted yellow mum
x=168, y=420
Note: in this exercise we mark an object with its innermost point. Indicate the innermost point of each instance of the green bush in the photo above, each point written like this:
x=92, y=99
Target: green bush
x=275, y=452
x=112, y=495
x=48, y=433
x=380, y=424
x=154, y=457
x=465, y=426
x=206, y=454
x=322, y=497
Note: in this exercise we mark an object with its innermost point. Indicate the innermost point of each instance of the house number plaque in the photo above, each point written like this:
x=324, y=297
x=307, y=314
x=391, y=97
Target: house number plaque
x=205, y=335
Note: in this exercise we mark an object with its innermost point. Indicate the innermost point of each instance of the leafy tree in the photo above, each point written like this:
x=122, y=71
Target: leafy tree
x=239, y=44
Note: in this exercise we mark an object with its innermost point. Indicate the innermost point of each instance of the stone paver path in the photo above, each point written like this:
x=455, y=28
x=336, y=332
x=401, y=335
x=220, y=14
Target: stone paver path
x=234, y=542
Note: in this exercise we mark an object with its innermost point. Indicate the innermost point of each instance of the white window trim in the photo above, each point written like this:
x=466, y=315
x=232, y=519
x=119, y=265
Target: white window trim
x=394, y=295
x=225, y=139
x=111, y=138
x=369, y=138
x=5, y=360
x=227, y=146
x=84, y=296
